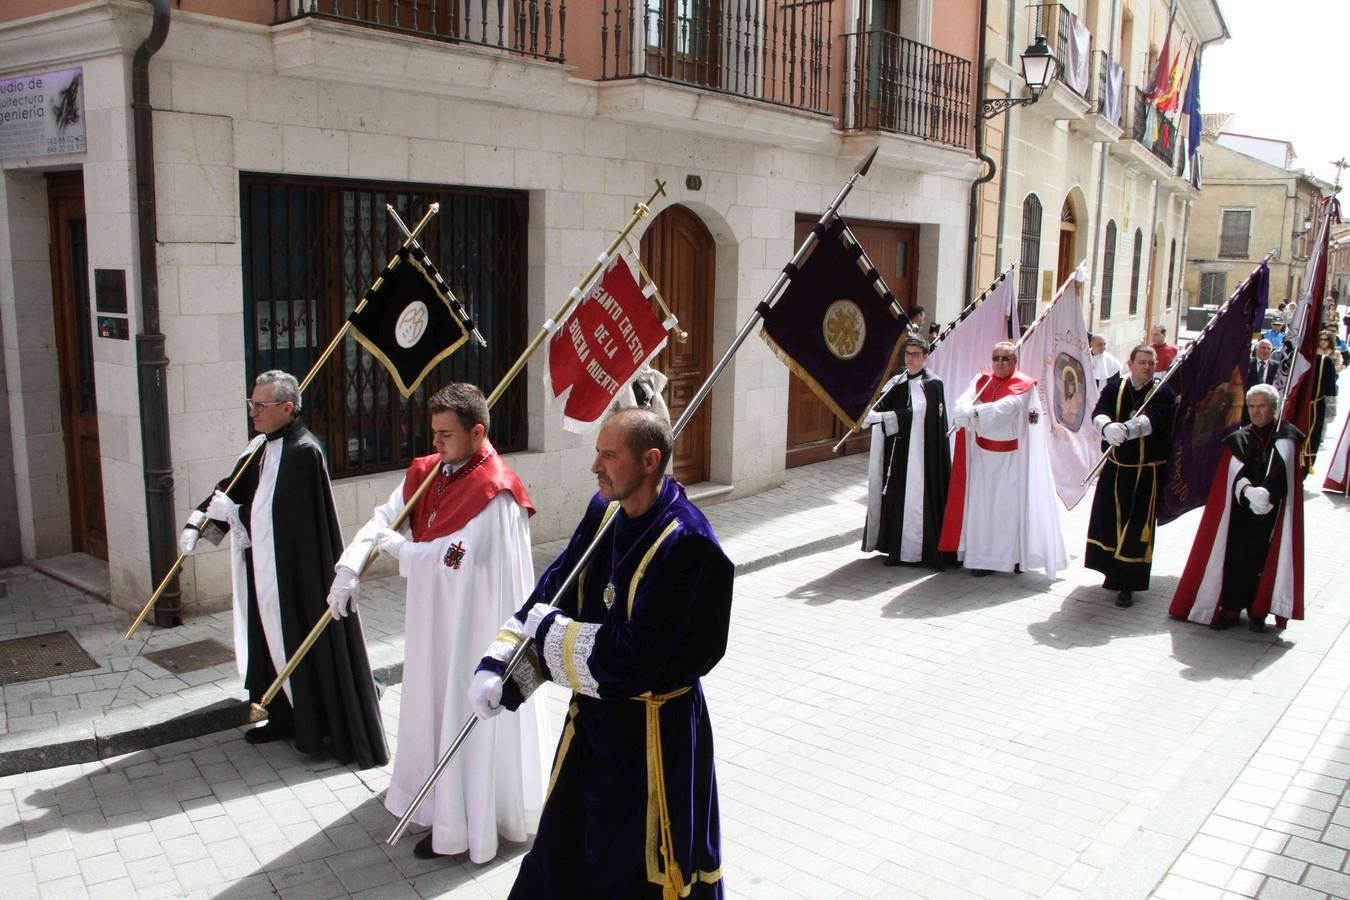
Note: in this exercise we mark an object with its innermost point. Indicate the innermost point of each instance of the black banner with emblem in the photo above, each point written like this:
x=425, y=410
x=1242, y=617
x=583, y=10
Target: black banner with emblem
x=836, y=325
x=408, y=321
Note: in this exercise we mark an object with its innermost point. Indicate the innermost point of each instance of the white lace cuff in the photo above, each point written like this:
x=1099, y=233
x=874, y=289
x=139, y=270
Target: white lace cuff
x=567, y=652
x=527, y=675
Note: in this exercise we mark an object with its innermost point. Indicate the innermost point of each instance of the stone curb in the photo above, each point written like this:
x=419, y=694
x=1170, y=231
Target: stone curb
x=126, y=731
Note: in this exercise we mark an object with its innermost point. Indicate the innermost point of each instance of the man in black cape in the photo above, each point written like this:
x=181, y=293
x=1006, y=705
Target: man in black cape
x=1323, y=375
x=910, y=465
x=284, y=541
x=1125, y=508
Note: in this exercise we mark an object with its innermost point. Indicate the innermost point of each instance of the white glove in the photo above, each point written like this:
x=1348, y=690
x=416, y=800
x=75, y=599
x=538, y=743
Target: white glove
x=1101, y=422
x=1139, y=426
x=536, y=615
x=342, y=595
x=1258, y=498
x=390, y=542
x=221, y=508
x=485, y=694
x=961, y=419
x=187, y=540
x=1115, y=433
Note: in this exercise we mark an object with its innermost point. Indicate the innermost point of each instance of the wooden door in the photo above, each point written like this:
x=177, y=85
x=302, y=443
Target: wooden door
x=1068, y=227
x=75, y=361
x=812, y=429
x=680, y=254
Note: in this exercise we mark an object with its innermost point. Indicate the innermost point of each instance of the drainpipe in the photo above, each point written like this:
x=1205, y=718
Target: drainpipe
x=1101, y=190
x=151, y=362
x=1005, y=151
x=989, y=167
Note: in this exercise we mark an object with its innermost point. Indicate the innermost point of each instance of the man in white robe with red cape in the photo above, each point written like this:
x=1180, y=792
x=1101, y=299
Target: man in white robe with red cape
x=1338, y=471
x=1001, y=511
x=1248, y=550
x=468, y=567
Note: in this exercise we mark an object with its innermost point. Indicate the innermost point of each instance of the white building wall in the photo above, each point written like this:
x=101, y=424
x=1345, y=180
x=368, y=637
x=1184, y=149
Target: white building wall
x=332, y=100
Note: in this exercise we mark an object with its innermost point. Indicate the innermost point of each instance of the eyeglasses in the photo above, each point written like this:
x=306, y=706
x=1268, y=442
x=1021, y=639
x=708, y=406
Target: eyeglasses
x=915, y=354
x=1004, y=358
x=254, y=406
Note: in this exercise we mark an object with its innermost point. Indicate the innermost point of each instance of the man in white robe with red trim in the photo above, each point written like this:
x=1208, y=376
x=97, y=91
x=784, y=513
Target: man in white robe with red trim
x=1248, y=551
x=1001, y=511
x=468, y=566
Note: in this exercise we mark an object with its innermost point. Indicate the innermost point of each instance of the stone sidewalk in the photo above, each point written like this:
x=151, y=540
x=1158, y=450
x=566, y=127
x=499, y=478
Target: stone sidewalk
x=130, y=702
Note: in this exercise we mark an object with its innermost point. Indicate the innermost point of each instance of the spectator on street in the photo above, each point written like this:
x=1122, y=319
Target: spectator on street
x=1157, y=338
x=1104, y=365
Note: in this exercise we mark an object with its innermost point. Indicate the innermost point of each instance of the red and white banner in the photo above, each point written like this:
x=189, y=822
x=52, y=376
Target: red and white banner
x=1055, y=353
x=593, y=353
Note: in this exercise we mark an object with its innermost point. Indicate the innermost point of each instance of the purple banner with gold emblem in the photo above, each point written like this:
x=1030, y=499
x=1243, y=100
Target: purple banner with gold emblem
x=836, y=326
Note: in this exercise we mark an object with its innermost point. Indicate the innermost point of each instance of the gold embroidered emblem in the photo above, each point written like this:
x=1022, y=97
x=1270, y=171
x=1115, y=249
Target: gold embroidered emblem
x=844, y=329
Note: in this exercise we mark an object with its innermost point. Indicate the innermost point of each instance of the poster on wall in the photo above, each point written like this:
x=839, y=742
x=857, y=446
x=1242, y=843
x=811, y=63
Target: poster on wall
x=42, y=114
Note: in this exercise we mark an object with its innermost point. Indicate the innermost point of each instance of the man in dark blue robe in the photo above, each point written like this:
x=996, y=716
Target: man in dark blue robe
x=1124, y=519
x=632, y=804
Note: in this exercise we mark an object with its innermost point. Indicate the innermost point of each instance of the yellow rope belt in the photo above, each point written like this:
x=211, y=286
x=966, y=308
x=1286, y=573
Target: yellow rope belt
x=673, y=884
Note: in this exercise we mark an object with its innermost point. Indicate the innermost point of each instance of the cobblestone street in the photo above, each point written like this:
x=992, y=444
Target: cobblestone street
x=880, y=733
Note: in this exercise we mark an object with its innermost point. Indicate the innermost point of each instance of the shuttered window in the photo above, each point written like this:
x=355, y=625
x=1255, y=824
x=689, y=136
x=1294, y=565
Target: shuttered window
x=1108, y=269
x=1029, y=273
x=1235, y=233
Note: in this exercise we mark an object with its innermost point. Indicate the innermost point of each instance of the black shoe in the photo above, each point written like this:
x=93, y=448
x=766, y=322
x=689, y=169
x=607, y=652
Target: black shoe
x=1125, y=599
x=266, y=734
x=1257, y=625
x=891, y=561
x=980, y=573
x=423, y=849
x=1017, y=568
x=1222, y=624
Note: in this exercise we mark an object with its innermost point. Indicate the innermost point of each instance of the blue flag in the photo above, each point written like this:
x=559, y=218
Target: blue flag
x=1191, y=107
x=836, y=326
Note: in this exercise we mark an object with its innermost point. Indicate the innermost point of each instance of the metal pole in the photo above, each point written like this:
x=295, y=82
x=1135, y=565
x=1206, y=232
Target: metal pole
x=640, y=212
x=308, y=379
x=1176, y=363
x=519, y=654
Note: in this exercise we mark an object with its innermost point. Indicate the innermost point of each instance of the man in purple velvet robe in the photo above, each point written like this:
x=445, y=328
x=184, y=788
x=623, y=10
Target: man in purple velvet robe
x=632, y=803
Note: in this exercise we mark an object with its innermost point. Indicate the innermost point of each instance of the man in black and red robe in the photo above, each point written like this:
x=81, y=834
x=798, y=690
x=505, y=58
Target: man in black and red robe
x=1248, y=551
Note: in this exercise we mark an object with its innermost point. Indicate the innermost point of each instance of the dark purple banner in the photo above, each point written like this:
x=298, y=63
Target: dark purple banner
x=1211, y=388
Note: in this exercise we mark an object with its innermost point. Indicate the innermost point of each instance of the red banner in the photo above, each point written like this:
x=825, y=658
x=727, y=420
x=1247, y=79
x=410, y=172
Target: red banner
x=598, y=349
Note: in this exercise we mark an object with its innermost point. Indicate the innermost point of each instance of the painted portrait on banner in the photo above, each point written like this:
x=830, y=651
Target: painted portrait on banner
x=1070, y=392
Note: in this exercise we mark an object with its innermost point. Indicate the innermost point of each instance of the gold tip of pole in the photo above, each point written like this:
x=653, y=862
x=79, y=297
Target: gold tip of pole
x=435, y=207
x=681, y=336
x=256, y=712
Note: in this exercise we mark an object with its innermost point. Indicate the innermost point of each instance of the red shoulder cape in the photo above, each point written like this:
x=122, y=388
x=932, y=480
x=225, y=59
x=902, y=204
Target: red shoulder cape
x=464, y=497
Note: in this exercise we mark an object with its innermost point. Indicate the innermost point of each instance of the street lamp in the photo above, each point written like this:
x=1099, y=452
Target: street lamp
x=1039, y=68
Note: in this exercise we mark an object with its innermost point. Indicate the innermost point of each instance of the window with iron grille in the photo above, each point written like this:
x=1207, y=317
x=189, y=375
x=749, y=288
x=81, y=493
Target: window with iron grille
x=1134, y=270
x=1108, y=269
x=311, y=248
x=1213, y=287
x=1235, y=233
x=1171, y=273
x=1029, y=272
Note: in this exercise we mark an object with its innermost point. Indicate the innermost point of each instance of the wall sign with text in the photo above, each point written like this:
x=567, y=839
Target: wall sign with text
x=42, y=114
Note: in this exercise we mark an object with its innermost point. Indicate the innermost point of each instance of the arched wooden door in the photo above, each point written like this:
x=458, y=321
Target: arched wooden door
x=1068, y=226
x=681, y=256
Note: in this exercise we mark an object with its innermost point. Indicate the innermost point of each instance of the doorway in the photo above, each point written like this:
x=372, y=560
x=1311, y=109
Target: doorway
x=681, y=255
x=812, y=429
x=1068, y=228
x=75, y=362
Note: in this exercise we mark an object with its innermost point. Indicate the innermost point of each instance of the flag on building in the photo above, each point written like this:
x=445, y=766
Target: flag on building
x=1170, y=97
x=1055, y=353
x=1210, y=383
x=408, y=320
x=964, y=352
x=596, y=351
x=1162, y=72
x=1191, y=107
x=836, y=325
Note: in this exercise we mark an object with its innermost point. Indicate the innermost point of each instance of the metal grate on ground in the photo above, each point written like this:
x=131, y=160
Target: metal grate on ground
x=42, y=656
x=191, y=657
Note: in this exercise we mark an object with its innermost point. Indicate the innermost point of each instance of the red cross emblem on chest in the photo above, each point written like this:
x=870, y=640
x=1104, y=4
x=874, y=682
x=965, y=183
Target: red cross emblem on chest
x=454, y=555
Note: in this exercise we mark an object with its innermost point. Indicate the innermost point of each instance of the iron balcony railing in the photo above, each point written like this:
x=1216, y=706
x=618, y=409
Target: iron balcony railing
x=534, y=28
x=1056, y=22
x=1155, y=131
x=900, y=85
x=778, y=51
x=1105, y=102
